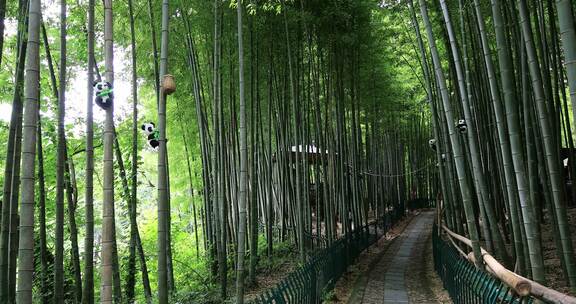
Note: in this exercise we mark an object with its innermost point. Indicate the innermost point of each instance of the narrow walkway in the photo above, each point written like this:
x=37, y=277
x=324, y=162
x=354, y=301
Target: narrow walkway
x=387, y=279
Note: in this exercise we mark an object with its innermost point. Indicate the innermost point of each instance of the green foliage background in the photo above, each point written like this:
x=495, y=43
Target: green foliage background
x=389, y=86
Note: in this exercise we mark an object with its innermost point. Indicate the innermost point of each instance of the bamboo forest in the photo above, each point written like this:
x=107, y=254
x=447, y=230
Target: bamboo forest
x=287, y=151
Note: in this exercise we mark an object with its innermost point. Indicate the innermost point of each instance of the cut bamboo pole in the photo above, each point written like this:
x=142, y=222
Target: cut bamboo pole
x=519, y=284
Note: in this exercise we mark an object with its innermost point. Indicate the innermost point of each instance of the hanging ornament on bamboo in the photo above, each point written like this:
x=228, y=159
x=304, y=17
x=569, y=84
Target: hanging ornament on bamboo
x=461, y=125
x=168, y=84
x=432, y=144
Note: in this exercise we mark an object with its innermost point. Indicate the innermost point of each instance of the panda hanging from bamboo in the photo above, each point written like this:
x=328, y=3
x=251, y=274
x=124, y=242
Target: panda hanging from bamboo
x=462, y=126
x=152, y=134
x=104, y=97
x=432, y=144
x=149, y=128
x=104, y=94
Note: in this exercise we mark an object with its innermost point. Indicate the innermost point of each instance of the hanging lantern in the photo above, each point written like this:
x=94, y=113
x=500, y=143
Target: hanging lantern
x=461, y=125
x=168, y=84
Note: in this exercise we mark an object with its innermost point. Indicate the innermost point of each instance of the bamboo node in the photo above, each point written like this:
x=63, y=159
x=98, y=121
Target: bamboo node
x=523, y=287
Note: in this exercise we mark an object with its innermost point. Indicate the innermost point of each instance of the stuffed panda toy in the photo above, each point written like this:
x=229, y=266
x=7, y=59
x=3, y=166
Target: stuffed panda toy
x=104, y=94
x=432, y=144
x=461, y=125
x=153, y=135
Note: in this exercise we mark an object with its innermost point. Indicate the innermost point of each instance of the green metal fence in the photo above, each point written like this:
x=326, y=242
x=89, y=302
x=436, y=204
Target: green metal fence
x=464, y=282
x=312, y=281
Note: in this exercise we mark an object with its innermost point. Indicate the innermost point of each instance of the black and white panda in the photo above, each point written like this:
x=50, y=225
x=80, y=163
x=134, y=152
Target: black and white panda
x=152, y=134
x=432, y=144
x=104, y=94
x=461, y=125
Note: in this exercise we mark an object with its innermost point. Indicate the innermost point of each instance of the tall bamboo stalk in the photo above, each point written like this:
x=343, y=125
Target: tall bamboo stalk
x=243, y=195
x=2, y=16
x=514, y=130
x=45, y=297
x=568, y=36
x=108, y=217
x=61, y=158
x=488, y=215
x=551, y=158
x=163, y=209
x=88, y=292
x=12, y=168
x=26, y=246
x=454, y=140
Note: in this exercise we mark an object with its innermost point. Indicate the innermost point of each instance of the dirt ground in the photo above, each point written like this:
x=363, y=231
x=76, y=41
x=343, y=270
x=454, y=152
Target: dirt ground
x=554, y=275
x=270, y=275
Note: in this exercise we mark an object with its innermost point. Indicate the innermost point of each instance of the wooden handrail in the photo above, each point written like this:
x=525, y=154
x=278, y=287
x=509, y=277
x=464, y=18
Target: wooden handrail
x=518, y=283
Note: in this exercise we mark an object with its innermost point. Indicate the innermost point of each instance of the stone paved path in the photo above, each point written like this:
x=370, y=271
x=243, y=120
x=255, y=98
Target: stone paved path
x=387, y=279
